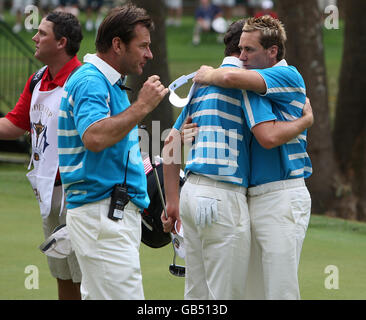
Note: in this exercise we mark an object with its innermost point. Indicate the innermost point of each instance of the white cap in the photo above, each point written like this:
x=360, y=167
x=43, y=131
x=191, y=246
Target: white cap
x=219, y=25
x=174, y=99
x=267, y=4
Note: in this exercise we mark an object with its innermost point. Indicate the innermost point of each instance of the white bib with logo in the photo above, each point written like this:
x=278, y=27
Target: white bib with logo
x=44, y=121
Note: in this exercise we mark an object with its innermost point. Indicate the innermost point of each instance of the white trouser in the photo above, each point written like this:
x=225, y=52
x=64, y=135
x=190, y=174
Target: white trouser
x=107, y=251
x=217, y=256
x=279, y=213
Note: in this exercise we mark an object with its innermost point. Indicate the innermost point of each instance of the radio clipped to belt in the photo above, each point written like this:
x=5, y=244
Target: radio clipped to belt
x=119, y=198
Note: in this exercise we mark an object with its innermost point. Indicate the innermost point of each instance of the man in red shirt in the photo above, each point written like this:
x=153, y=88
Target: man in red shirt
x=57, y=42
x=267, y=9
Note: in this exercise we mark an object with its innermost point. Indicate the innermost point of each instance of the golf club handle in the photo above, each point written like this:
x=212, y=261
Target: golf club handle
x=174, y=256
x=160, y=191
x=162, y=202
x=166, y=214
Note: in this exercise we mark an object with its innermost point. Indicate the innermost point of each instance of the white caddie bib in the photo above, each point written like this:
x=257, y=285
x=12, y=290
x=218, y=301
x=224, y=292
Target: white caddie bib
x=44, y=122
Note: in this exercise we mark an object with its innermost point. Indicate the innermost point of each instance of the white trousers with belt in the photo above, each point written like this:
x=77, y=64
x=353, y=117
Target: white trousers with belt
x=107, y=251
x=279, y=213
x=217, y=256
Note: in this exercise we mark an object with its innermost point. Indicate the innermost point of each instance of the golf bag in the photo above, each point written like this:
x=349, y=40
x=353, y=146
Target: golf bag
x=152, y=227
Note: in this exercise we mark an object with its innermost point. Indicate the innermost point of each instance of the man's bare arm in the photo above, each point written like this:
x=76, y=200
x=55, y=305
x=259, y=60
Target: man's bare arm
x=9, y=131
x=231, y=78
x=272, y=134
x=171, y=169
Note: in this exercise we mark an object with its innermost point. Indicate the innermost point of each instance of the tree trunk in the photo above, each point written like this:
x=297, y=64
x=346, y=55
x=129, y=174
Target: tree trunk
x=162, y=117
x=303, y=23
x=350, y=124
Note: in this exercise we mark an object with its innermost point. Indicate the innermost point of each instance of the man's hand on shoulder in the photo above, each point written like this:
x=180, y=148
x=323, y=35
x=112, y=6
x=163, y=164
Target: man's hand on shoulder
x=307, y=113
x=189, y=132
x=203, y=75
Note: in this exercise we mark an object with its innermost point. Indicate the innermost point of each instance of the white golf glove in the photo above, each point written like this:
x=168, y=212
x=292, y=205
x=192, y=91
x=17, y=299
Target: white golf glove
x=206, y=212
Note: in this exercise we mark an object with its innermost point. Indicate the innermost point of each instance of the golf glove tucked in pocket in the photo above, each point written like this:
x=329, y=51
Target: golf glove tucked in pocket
x=206, y=212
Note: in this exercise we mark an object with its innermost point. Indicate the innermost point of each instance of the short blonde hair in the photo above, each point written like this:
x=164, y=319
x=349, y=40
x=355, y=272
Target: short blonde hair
x=272, y=33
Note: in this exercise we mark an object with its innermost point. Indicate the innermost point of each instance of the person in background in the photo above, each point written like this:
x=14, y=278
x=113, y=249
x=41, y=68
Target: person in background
x=48, y=5
x=266, y=9
x=252, y=6
x=57, y=43
x=70, y=6
x=175, y=11
x=93, y=7
x=227, y=7
x=1, y=10
x=18, y=8
x=204, y=15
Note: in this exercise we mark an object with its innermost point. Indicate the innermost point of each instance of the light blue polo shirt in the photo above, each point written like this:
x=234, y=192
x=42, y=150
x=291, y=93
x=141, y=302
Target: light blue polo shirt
x=91, y=95
x=287, y=93
x=221, y=149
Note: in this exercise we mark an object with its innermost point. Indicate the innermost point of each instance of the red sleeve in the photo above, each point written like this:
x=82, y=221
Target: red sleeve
x=19, y=116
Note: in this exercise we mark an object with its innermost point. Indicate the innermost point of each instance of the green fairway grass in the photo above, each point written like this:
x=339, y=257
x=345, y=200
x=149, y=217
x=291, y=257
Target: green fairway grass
x=329, y=241
x=339, y=243
x=21, y=234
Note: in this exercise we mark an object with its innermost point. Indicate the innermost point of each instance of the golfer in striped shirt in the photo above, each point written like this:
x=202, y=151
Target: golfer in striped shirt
x=279, y=202
x=213, y=204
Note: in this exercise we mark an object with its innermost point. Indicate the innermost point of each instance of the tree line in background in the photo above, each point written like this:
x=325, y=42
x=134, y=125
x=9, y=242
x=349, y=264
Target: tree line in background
x=337, y=150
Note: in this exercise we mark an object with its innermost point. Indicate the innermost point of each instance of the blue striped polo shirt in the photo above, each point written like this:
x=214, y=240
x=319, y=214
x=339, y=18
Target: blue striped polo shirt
x=286, y=91
x=91, y=95
x=221, y=149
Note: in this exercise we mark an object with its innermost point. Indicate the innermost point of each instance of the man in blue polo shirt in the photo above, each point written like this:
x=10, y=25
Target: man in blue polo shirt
x=100, y=163
x=279, y=202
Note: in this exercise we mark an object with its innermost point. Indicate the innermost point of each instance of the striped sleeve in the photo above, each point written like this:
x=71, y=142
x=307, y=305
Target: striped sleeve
x=257, y=109
x=90, y=102
x=285, y=85
x=178, y=125
x=69, y=141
